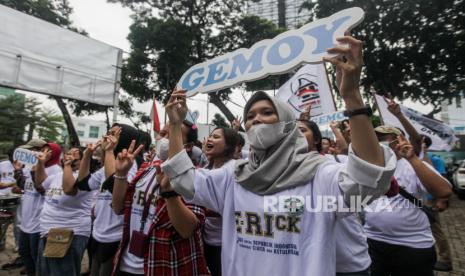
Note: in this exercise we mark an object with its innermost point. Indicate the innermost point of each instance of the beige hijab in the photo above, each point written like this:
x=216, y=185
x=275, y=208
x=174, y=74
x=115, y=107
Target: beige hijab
x=286, y=163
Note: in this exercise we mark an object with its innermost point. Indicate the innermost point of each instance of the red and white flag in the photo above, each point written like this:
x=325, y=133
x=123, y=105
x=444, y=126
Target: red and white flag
x=154, y=117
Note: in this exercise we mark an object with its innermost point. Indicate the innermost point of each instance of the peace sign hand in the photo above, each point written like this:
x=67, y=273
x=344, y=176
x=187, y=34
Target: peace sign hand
x=110, y=140
x=92, y=147
x=125, y=159
x=236, y=124
x=403, y=148
x=393, y=107
x=44, y=156
x=176, y=108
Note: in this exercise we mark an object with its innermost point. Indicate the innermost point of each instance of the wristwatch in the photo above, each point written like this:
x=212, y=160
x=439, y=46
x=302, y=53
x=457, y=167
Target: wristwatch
x=359, y=111
x=168, y=194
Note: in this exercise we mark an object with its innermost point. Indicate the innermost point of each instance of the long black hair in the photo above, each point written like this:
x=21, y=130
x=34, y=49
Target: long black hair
x=231, y=140
x=315, y=131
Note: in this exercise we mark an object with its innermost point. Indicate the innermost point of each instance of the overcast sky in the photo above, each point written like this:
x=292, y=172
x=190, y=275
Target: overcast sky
x=110, y=23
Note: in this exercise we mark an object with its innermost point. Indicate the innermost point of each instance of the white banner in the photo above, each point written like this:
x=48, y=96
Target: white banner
x=309, y=86
x=441, y=135
x=41, y=57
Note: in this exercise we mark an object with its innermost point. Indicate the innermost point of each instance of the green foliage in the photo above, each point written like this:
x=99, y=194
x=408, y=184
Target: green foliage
x=50, y=126
x=219, y=121
x=412, y=49
x=17, y=112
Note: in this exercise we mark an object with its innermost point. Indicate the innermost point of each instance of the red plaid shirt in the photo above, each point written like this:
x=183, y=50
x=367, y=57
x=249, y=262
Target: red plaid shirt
x=168, y=253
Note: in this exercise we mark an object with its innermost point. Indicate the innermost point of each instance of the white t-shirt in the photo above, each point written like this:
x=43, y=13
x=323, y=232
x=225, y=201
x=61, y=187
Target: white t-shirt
x=398, y=221
x=351, y=241
x=32, y=201
x=296, y=242
x=213, y=223
x=129, y=262
x=61, y=210
x=6, y=176
x=108, y=226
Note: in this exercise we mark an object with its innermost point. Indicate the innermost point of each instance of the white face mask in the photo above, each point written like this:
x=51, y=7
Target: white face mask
x=263, y=136
x=162, y=148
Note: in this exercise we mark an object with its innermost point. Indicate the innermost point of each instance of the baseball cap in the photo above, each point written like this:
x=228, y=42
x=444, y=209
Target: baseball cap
x=388, y=130
x=34, y=143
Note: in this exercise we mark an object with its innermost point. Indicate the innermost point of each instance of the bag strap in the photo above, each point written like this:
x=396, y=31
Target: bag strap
x=147, y=201
x=415, y=201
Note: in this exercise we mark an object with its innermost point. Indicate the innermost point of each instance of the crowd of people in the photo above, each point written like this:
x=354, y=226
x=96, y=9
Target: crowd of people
x=239, y=203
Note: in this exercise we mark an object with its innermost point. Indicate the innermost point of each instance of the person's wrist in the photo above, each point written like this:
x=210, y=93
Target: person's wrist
x=353, y=101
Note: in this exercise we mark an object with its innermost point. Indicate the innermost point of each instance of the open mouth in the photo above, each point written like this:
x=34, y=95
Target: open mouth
x=209, y=146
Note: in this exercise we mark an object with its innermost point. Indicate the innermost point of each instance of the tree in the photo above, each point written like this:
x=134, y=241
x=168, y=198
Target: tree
x=50, y=126
x=183, y=34
x=413, y=49
x=18, y=112
x=219, y=121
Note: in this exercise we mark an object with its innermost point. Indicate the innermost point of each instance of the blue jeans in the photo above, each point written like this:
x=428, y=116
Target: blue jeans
x=28, y=247
x=69, y=265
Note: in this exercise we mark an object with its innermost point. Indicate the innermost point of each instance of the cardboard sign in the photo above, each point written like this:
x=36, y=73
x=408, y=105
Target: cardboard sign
x=283, y=53
x=25, y=156
x=308, y=87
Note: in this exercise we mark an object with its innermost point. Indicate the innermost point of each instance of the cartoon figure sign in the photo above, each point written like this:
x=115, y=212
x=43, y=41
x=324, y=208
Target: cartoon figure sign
x=308, y=87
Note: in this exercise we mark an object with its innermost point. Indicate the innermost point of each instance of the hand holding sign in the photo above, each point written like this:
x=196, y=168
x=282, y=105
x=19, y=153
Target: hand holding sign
x=351, y=69
x=176, y=108
x=306, y=114
x=23, y=157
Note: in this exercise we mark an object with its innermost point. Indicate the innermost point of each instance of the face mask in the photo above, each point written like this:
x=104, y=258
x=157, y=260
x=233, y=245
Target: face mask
x=162, y=148
x=263, y=136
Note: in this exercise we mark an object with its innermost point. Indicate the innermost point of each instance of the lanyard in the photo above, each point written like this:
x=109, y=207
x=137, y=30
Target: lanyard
x=148, y=200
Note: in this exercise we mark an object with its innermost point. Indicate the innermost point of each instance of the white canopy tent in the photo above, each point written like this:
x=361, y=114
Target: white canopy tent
x=41, y=57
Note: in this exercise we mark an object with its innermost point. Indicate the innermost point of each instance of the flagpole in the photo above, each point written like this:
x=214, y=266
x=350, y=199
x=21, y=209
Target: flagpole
x=330, y=87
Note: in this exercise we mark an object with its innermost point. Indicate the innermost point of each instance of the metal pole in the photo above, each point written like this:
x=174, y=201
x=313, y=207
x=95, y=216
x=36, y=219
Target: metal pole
x=119, y=65
x=208, y=112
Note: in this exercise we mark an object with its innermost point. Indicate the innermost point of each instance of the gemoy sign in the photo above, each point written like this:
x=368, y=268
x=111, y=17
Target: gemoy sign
x=283, y=53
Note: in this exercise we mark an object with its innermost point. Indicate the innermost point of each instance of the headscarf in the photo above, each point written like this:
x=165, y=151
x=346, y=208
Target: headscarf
x=56, y=153
x=284, y=165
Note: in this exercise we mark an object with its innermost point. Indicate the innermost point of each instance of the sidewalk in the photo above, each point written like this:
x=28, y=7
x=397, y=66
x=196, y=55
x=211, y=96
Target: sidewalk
x=453, y=224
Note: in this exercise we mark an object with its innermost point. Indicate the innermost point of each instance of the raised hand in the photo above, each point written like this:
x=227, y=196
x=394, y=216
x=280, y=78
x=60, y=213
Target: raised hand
x=236, y=123
x=70, y=157
x=44, y=156
x=176, y=108
x=125, y=159
x=17, y=165
x=110, y=140
x=306, y=114
x=393, y=107
x=349, y=64
x=334, y=125
x=90, y=149
x=403, y=148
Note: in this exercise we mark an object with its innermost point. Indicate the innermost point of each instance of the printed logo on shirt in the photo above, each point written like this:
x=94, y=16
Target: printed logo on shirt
x=252, y=223
x=294, y=206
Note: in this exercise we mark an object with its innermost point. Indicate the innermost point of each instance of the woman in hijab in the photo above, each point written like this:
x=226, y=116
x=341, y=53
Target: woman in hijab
x=268, y=202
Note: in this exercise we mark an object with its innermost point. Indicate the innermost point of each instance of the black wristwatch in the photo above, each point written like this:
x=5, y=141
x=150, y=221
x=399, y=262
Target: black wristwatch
x=168, y=194
x=359, y=111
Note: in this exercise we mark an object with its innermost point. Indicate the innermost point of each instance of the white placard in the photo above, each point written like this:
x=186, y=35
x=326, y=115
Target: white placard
x=281, y=54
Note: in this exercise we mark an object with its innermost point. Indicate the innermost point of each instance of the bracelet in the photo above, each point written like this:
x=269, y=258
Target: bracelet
x=120, y=177
x=168, y=194
x=360, y=111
